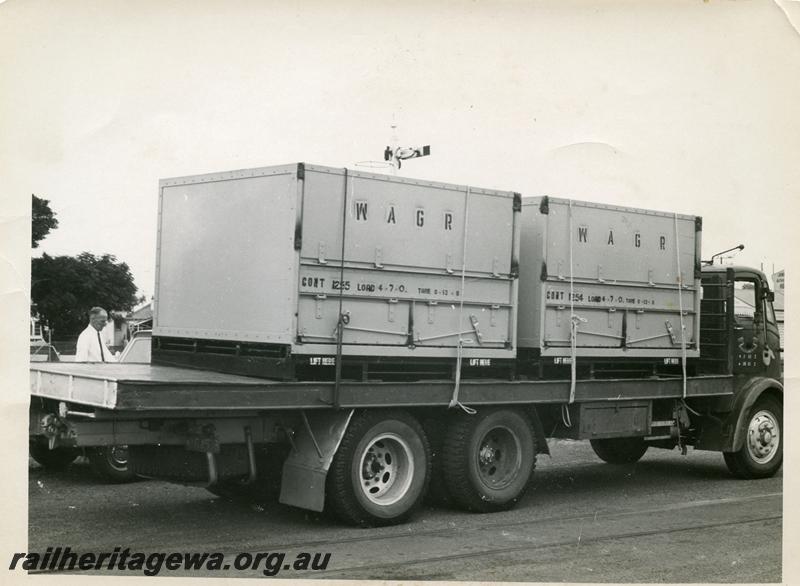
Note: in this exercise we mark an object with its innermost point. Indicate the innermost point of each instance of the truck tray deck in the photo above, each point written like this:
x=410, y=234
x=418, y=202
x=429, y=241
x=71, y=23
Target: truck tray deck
x=143, y=387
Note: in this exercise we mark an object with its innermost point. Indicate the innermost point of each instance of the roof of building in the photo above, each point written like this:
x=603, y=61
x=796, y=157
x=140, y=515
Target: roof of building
x=144, y=312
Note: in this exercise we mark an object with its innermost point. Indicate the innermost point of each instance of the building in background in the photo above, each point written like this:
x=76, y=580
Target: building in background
x=140, y=319
x=778, y=284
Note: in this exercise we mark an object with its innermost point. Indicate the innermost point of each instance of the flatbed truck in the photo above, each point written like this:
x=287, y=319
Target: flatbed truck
x=370, y=449
x=355, y=342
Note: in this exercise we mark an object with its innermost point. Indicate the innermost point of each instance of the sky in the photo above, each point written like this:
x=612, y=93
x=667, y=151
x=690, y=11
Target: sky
x=677, y=106
x=681, y=106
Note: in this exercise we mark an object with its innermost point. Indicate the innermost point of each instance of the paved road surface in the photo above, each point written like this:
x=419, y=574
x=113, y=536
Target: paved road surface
x=668, y=518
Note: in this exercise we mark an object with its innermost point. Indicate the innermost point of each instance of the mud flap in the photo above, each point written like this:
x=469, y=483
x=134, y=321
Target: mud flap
x=313, y=447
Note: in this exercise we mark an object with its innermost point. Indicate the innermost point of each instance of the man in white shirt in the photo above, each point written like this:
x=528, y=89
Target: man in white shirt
x=91, y=347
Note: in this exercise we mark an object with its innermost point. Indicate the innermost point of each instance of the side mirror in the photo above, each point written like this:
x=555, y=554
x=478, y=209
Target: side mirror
x=769, y=296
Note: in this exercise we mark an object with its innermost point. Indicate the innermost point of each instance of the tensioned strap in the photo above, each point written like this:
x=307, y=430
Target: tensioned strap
x=573, y=321
x=680, y=304
x=340, y=323
x=573, y=330
x=454, y=402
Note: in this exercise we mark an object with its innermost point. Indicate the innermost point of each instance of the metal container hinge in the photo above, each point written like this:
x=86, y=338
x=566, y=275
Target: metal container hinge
x=543, y=276
x=301, y=171
x=698, y=223
x=544, y=207
x=517, y=205
x=298, y=237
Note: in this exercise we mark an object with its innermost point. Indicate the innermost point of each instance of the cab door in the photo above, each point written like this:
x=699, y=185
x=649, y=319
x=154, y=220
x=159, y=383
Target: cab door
x=755, y=330
x=771, y=355
x=748, y=321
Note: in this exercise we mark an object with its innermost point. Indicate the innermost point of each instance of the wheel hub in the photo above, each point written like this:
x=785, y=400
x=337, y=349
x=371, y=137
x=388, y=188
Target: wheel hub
x=387, y=468
x=488, y=455
x=499, y=458
x=763, y=437
x=119, y=455
x=372, y=466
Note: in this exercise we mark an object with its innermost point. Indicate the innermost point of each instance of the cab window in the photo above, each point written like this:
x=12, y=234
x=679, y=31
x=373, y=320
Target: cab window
x=771, y=314
x=744, y=299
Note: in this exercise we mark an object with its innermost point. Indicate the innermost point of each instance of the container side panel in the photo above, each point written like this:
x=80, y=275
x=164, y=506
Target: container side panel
x=478, y=325
x=395, y=225
x=489, y=234
x=404, y=250
x=625, y=268
x=382, y=307
x=618, y=316
x=615, y=245
x=369, y=321
x=226, y=259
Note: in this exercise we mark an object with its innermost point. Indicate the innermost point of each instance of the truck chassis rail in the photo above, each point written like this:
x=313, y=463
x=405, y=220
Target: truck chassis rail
x=142, y=388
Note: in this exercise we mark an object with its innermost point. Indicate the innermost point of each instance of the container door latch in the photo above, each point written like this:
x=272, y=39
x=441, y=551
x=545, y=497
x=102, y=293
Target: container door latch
x=473, y=319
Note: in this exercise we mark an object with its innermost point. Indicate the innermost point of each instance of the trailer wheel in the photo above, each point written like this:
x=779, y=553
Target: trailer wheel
x=619, y=450
x=380, y=471
x=111, y=463
x=56, y=459
x=488, y=459
x=761, y=456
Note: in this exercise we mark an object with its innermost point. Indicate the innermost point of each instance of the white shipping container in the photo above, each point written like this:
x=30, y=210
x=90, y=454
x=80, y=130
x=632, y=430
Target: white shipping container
x=618, y=269
x=256, y=256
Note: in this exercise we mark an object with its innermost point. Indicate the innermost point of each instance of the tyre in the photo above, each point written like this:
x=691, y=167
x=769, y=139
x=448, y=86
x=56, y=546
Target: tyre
x=380, y=472
x=761, y=456
x=56, y=459
x=488, y=459
x=111, y=463
x=437, y=488
x=619, y=450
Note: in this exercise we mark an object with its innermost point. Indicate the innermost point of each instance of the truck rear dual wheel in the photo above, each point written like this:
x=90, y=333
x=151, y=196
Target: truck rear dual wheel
x=488, y=459
x=437, y=494
x=619, y=450
x=380, y=472
x=111, y=463
x=761, y=456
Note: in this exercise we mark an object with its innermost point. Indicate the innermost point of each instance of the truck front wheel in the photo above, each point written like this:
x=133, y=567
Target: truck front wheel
x=380, y=471
x=619, y=450
x=761, y=455
x=56, y=459
x=488, y=459
x=111, y=463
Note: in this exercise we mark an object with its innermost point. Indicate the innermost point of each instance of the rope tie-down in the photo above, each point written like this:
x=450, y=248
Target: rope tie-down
x=454, y=402
x=574, y=321
x=680, y=410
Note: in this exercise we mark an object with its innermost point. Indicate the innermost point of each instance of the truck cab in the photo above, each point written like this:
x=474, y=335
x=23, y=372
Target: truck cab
x=739, y=332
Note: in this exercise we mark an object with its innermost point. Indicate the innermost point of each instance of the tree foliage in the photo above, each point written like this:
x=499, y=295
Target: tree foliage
x=43, y=220
x=65, y=288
